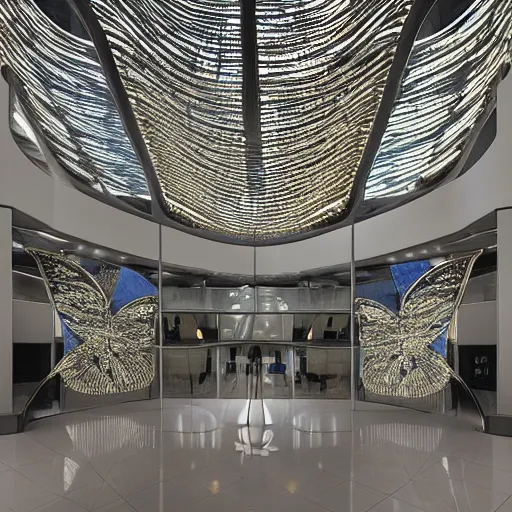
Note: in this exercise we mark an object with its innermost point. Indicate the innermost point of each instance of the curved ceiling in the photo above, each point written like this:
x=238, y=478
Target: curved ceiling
x=256, y=120
x=66, y=212
x=255, y=115
x=444, y=99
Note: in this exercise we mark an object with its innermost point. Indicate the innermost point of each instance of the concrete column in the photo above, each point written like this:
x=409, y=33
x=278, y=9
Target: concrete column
x=504, y=296
x=6, y=311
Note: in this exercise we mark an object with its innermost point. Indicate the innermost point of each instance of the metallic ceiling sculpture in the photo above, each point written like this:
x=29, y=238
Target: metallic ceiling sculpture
x=108, y=324
x=251, y=120
x=446, y=92
x=400, y=354
x=62, y=91
x=238, y=158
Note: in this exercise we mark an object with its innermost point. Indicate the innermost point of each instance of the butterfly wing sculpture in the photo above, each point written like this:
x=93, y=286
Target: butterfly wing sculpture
x=115, y=353
x=399, y=360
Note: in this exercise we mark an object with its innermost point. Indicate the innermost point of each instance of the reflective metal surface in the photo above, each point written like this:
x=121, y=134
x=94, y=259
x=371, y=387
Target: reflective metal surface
x=216, y=110
x=275, y=379
x=288, y=370
x=189, y=372
x=303, y=355
x=243, y=299
x=188, y=85
x=24, y=135
x=323, y=373
x=399, y=351
x=109, y=340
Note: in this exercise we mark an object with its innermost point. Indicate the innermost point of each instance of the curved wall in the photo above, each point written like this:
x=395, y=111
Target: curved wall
x=486, y=187
x=448, y=209
x=68, y=211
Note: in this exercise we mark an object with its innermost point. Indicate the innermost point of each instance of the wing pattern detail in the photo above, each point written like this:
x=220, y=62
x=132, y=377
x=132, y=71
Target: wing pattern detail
x=399, y=360
x=116, y=350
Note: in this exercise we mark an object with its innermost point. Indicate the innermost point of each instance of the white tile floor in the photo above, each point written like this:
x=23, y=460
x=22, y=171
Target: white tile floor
x=132, y=458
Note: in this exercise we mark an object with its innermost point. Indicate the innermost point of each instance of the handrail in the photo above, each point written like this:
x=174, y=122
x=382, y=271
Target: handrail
x=239, y=312
x=254, y=342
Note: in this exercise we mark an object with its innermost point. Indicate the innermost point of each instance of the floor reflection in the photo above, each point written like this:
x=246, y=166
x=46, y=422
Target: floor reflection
x=417, y=437
x=254, y=436
x=107, y=434
x=136, y=457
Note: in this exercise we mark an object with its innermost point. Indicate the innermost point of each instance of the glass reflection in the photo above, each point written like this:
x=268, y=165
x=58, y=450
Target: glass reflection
x=126, y=444
x=407, y=329
x=417, y=437
x=322, y=373
x=189, y=372
x=254, y=438
x=276, y=371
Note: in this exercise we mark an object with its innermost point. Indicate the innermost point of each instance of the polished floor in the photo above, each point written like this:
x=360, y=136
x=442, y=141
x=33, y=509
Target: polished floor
x=135, y=458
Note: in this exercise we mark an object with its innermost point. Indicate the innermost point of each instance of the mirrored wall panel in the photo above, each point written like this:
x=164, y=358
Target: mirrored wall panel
x=189, y=372
x=260, y=299
x=322, y=372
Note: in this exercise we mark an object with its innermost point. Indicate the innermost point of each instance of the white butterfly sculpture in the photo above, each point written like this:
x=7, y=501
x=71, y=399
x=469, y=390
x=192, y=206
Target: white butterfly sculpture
x=399, y=360
x=116, y=351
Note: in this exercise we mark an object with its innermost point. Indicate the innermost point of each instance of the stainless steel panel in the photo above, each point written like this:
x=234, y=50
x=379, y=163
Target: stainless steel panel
x=235, y=376
x=189, y=373
x=322, y=373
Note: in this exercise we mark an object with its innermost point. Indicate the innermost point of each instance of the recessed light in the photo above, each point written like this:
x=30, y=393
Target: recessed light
x=409, y=255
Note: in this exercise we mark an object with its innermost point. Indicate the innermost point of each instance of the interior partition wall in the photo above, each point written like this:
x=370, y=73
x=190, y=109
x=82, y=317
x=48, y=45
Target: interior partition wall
x=300, y=333
x=87, y=315
x=126, y=329
x=504, y=405
x=114, y=328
